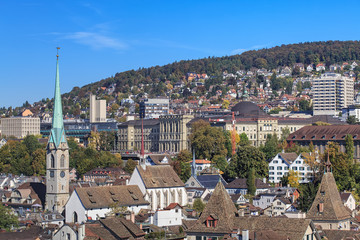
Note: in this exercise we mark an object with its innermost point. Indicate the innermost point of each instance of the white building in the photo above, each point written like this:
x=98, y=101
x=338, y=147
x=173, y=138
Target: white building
x=160, y=185
x=169, y=216
x=19, y=127
x=351, y=111
x=97, y=110
x=331, y=93
x=92, y=203
x=348, y=200
x=283, y=162
x=155, y=107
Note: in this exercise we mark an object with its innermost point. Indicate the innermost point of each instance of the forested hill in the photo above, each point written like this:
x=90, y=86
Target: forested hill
x=285, y=55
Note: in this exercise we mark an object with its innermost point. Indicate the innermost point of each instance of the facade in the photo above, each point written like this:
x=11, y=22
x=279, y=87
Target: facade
x=239, y=186
x=92, y=203
x=208, y=182
x=57, y=157
x=280, y=165
x=97, y=110
x=160, y=185
x=331, y=93
x=156, y=107
x=277, y=207
x=169, y=216
x=352, y=110
x=348, y=200
x=321, y=135
x=19, y=127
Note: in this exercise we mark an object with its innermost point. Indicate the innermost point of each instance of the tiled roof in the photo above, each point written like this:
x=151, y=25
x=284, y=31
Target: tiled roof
x=341, y=234
x=172, y=206
x=157, y=158
x=325, y=133
x=328, y=195
x=241, y=184
x=288, y=157
x=159, y=176
x=104, y=197
x=219, y=206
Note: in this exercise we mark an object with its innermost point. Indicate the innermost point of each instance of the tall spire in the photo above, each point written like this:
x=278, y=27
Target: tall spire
x=57, y=130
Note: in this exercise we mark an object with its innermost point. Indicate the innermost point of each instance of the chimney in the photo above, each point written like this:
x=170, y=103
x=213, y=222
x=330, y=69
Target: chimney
x=132, y=216
x=245, y=234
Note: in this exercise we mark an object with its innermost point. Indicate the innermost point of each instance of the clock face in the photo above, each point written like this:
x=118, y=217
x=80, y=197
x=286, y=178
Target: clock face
x=62, y=174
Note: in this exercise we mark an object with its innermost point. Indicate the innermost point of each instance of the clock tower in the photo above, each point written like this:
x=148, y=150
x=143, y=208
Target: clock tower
x=57, y=156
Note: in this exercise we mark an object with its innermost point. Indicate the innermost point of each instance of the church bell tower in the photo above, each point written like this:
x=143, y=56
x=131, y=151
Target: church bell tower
x=57, y=156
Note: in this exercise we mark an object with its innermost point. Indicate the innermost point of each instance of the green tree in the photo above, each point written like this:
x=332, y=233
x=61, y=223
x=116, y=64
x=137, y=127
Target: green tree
x=271, y=147
x=39, y=162
x=250, y=182
x=7, y=219
x=244, y=140
x=130, y=166
x=352, y=120
x=198, y=205
x=182, y=165
x=207, y=141
x=31, y=143
x=247, y=157
x=304, y=105
x=349, y=146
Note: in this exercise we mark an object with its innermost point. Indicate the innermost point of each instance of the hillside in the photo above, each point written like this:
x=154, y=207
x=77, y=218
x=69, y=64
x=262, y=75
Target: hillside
x=158, y=80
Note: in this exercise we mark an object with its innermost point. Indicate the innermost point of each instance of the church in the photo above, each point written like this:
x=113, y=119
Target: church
x=57, y=156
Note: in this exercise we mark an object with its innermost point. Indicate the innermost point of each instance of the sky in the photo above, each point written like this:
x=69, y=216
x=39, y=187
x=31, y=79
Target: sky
x=100, y=38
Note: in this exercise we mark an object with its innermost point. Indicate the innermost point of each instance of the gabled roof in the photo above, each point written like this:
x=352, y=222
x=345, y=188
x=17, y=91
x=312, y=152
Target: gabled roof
x=288, y=157
x=210, y=181
x=344, y=196
x=240, y=183
x=104, y=197
x=328, y=195
x=158, y=158
x=159, y=176
x=172, y=206
x=220, y=206
x=325, y=133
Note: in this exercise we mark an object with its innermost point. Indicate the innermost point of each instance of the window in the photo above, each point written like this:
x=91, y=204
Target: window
x=275, y=161
x=62, y=161
x=52, y=161
x=271, y=168
x=294, y=168
x=301, y=168
x=279, y=168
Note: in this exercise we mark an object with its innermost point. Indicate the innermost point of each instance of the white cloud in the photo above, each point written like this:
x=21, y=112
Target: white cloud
x=96, y=40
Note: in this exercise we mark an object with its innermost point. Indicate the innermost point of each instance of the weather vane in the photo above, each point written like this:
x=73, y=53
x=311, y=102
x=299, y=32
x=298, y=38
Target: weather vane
x=57, y=53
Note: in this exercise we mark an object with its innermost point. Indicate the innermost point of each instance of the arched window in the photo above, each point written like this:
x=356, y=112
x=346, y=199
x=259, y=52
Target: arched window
x=52, y=161
x=75, y=217
x=62, y=161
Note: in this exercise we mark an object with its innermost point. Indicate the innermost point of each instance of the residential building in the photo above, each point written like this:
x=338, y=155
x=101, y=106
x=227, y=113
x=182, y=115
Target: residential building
x=239, y=186
x=156, y=107
x=97, y=109
x=194, y=193
x=327, y=210
x=169, y=216
x=320, y=67
x=201, y=164
x=2, y=142
x=321, y=135
x=19, y=127
x=348, y=200
x=106, y=174
x=92, y=203
x=352, y=110
x=277, y=207
x=280, y=165
x=331, y=93
x=160, y=185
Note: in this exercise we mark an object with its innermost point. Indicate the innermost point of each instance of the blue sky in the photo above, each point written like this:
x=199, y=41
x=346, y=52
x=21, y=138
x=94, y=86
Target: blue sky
x=100, y=38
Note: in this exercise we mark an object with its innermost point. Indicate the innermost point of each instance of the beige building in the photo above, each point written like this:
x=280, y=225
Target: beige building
x=97, y=110
x=170, y=133
x=156, y=107
x=20, y=127
x=331, y=93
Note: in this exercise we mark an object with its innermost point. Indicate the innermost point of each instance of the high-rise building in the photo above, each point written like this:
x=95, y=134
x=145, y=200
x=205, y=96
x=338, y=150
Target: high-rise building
x=20, y=127
x=57, y=157
x=331, y=93
x=155, y=107
x=97, y=110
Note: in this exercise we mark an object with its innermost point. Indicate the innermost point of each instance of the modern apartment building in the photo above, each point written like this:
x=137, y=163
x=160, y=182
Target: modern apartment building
x=155, y=107
x=97, y=110
x=20, y=127
x=331, y=93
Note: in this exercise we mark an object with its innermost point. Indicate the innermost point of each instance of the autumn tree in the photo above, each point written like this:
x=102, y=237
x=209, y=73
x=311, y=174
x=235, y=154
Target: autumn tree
x=207, y=141
x=181, y=165
x=130, y=166
x=293, y=178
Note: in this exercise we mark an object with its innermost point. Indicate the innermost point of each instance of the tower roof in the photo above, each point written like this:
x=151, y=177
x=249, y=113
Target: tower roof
x=328, y=196
x=219, y=207
x=57, y=135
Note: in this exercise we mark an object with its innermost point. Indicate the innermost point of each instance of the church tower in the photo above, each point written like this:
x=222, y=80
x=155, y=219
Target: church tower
x=57, y=156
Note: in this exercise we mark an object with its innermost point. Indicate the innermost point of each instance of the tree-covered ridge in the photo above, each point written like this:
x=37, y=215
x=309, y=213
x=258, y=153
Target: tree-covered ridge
x=285, y=55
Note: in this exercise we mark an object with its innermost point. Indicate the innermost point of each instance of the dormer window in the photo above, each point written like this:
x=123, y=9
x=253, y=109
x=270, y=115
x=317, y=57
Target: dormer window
x=211, y=221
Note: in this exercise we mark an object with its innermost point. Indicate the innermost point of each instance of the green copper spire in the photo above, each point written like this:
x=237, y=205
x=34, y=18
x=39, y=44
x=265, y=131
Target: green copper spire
x=57, y=130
